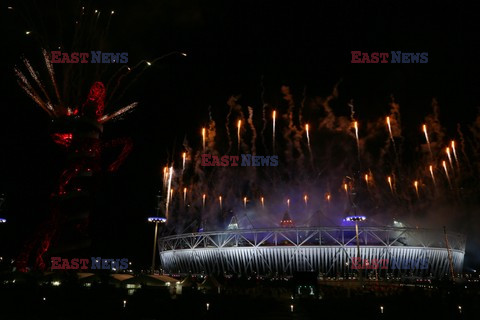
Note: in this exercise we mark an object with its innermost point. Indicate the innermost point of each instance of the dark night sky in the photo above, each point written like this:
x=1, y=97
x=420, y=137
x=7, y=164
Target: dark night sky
x=231, y=46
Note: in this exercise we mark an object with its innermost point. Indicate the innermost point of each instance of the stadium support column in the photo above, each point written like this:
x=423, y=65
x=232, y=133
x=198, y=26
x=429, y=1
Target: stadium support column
x=155, y=220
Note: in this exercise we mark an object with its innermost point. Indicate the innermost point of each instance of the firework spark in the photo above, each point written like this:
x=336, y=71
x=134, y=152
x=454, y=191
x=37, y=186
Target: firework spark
x=184, y=155
x=117, y=113
x=308, y=137
x=454, y=152
x=203, y=200
x=274, y=116
x=389, y=179
x=444, y=164
x=305, y=199
x=239, y=127
x=415, y=184
x=245, y=202
x=447, y=151
x=184, y=196
x=203, y=139
x=288, y=204
x=427, y=139
x=262, y=200
x=165, y=177
x=433, y=176
x=220, y=201
x=390, y=129
x=355, y=125
x=169, y=186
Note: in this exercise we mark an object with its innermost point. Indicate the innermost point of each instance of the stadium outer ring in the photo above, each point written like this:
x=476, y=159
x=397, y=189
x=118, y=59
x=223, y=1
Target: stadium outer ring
x=327, y=250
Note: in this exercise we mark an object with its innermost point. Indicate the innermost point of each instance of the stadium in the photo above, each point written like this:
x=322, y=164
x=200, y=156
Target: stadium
x=326, y=250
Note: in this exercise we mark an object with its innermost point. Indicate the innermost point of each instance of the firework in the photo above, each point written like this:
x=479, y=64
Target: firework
x=51, y=73
x=308, y=136
x=203, y=200
x=309, y=176
x=444, y=164
x=447, y=151
x=169, y=190
x=355, y=125
x=203, y=139
x=433, y=176
x=274, y=115
x=165, y=177
x=390, y=129
x=239, y=127
x=389, y=179
x=454, y=151
x=118, y=113
x=184, y=196
x=426, y=138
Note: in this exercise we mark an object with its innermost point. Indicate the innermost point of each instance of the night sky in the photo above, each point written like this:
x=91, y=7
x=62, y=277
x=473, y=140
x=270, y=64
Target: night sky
x=243, y=47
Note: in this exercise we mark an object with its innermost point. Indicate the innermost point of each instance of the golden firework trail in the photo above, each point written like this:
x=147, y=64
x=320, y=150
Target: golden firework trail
x=447, y=151
x=274, y=116
x=355, y=125
x=454, y=152
x=444, y=164
x=389, y=179
x=169, y=190
x=433, y=176
x=390, y=129
x=308, y=136
x=427, y=139
x=239, y=127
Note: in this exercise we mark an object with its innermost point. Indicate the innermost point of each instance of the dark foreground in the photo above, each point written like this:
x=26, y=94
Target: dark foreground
x=248, y=299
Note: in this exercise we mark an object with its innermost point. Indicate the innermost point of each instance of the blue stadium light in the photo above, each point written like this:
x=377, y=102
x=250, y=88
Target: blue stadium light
x=157, y=219
x=2, y=220
x=355, y=218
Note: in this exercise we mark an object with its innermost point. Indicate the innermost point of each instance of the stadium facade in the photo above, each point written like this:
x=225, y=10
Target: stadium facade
x=326, y=250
